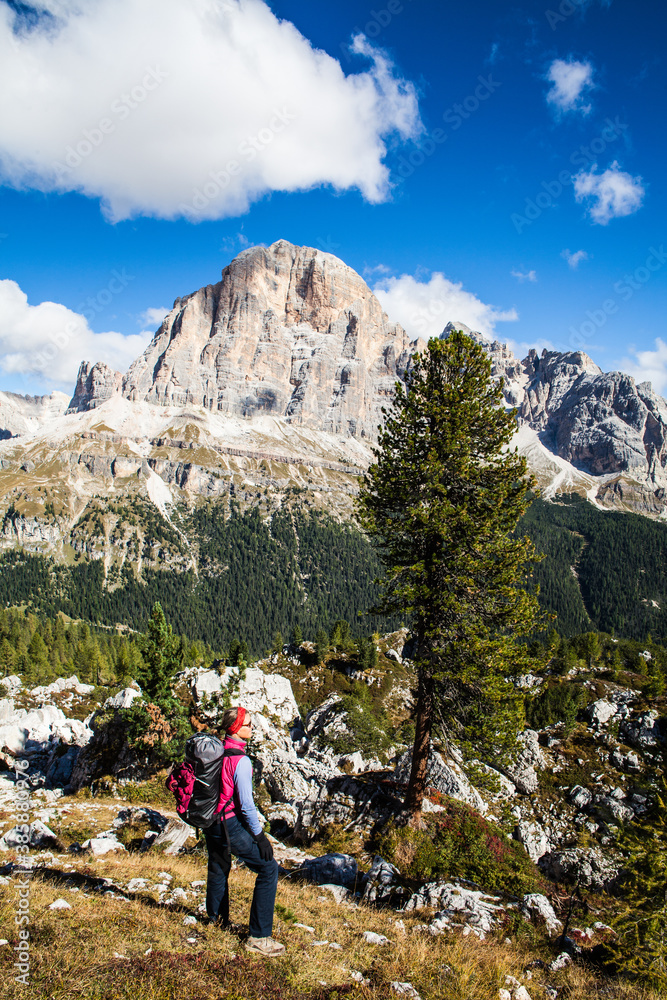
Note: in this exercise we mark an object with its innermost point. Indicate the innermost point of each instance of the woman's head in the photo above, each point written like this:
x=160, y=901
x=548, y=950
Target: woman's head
x=237, y=722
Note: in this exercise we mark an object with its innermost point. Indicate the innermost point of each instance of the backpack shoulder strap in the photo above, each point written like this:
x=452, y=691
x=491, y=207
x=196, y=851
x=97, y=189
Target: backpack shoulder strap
x=230, y=752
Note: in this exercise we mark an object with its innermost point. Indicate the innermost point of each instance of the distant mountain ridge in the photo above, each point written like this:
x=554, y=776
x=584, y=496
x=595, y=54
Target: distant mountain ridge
x=291, y=354
x=603, y=423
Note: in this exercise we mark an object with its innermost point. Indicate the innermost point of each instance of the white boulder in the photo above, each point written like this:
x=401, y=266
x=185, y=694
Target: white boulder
x=477, y=908
x=327, y=719
x=39, y=726
x=585, y=865
x=11, y=684
x=372, y=938
x=37, y=835
x=643, y=732
x=256, y=691
x=534, y=839
x=534, y=904
x=560, y=962
x=381, y=881
x=174, y=835
x=580, y=796
x=123, y=699
x=62, y=684
x=446, y=778
x=523, y=770
x=104, y=844
x=339, y=892
x=600, y=712
x=60, y=904
x=405, y=990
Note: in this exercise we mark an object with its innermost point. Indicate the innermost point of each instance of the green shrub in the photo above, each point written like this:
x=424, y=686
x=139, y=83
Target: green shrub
x=558, y=703
x=459, y=843
x=74, y=834
x=367, y=723
x=150, y=731
x=152, y=793
x=285, y=913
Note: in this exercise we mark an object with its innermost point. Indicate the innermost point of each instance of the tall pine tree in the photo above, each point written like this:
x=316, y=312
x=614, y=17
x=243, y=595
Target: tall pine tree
x=640, y=950
x=441, y=501
x=161, y=655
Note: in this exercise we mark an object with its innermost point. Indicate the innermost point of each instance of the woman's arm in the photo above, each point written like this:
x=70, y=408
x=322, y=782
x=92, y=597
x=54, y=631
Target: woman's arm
x=243, y=783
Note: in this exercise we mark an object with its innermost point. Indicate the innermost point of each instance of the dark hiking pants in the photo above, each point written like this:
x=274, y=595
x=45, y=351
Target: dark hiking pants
x=217, y=889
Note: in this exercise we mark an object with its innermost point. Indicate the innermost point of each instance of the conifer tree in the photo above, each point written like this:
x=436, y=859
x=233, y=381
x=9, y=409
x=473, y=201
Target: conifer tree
x=297, y=635
x=277, y=646
x=442, y=501
x=161, y=657
x=641, y=947
x=321, y=644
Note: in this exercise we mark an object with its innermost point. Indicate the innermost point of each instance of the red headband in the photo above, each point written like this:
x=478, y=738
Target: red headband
x=238, y=722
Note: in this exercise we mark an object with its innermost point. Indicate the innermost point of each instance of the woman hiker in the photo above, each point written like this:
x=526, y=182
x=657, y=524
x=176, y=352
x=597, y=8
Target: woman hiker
x=245, y=837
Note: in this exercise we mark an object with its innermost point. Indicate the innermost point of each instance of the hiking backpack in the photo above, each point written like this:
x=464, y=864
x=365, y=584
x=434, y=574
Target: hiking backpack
x=196, y=782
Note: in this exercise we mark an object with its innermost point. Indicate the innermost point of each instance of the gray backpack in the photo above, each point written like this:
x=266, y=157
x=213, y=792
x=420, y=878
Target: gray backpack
x=196, y=782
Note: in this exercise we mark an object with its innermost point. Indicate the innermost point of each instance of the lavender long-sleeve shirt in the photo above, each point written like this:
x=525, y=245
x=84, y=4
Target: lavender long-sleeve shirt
x=243, y=803
x=243, y=785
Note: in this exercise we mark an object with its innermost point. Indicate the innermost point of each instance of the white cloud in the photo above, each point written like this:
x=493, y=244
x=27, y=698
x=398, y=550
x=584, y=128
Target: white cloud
x=648, y=366
x=425, y=308
x=47, y=342
x=568, y=81
x=153, y=317
x=524, y=275
x=198, y=108
x=614, y=193
x=575, y=258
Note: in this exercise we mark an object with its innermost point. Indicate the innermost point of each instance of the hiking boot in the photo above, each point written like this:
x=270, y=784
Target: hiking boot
x=265, y=946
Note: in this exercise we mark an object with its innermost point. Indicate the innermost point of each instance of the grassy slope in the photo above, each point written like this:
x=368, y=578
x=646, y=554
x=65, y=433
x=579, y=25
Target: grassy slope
x=72, y=951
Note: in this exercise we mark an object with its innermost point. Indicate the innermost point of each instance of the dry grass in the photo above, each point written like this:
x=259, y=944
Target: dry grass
x=72, y=951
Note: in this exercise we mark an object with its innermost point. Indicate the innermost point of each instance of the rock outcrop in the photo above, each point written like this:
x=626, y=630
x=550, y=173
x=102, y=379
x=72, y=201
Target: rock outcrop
x=21, y=415
x=603, y=423
x=94, y=385
x=294, y=334
x=289, y=331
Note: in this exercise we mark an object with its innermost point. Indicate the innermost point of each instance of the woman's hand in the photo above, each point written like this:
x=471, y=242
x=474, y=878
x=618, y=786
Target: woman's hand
x=264, y=845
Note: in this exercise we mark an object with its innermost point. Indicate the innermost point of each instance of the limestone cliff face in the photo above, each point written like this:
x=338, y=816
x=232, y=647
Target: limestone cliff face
x=289, y=331
x=295, y=333
x=602, y=422
x=94, y=385
x=21, y=415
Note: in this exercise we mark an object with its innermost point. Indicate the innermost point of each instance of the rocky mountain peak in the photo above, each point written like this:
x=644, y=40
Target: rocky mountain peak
x=290, y=331
x=603, y=423
x=94, y=385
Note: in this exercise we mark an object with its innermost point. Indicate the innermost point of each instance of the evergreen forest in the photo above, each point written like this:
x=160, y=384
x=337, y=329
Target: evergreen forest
x=255, y=577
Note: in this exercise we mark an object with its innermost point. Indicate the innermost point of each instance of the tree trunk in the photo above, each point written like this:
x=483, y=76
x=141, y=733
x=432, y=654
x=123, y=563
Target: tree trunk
x=423, y=724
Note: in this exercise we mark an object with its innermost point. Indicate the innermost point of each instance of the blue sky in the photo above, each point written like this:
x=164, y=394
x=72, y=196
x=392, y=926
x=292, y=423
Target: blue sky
x=499, y=165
